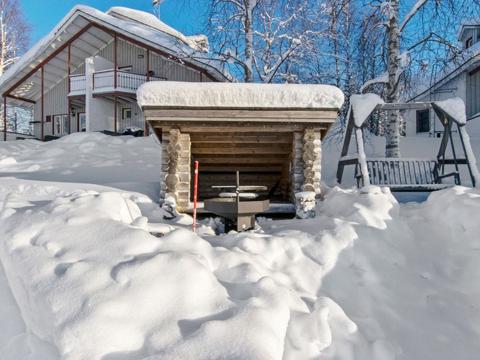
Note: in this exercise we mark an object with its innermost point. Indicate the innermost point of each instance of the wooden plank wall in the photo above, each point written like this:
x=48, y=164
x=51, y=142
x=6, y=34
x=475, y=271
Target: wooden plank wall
x=262, y=158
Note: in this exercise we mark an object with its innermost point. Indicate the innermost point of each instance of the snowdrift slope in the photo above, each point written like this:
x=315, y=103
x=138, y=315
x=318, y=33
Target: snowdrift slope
x=367, y=279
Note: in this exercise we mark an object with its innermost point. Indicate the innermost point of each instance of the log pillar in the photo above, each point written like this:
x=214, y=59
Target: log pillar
x=312, y=160
x=296, y=172
x=176, y=175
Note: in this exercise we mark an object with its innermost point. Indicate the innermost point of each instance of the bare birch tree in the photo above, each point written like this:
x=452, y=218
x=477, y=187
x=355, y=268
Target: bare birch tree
x=424, y=17
x=263, y=39
x=14, y=33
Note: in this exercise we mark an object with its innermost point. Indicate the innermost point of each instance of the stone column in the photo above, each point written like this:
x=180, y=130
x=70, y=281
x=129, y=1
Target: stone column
x=311, y=155
x=175, y=180
x=297, y=166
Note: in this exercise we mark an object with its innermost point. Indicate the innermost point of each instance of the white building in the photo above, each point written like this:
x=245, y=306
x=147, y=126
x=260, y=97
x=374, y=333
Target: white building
x=458, y=81
x=84, y=74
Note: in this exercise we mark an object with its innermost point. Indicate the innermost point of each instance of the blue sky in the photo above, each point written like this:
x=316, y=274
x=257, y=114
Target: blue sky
x=43, y=15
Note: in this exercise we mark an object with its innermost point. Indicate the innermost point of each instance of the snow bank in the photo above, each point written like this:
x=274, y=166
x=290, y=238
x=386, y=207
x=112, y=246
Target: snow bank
x=367, y=279
x=363, y=105
x=236, y=95
x=124, y=162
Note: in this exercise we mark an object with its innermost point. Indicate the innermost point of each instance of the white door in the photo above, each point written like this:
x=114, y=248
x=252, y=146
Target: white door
x=61, y=125
x=82, y=121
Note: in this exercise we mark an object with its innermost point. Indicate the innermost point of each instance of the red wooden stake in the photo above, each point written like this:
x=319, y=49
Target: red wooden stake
x=195, y=192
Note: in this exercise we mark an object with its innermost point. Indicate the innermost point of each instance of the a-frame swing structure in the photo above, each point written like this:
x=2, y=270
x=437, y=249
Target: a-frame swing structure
x=412, y=174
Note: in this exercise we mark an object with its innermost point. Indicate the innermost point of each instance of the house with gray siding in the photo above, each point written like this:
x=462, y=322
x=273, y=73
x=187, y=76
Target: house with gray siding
x=460, y=80
x=83, y=76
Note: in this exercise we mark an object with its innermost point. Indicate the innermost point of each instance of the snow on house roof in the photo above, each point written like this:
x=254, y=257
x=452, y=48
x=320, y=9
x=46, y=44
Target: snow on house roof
x=147, y=19
x=471, y=59
x=239, y=95
x=135, y=24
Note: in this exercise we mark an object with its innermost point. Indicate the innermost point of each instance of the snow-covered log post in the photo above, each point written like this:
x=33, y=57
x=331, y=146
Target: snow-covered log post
x=177, y=180
x=311, y=156
x=306, y=169
x=4, y=118
x=297, y=175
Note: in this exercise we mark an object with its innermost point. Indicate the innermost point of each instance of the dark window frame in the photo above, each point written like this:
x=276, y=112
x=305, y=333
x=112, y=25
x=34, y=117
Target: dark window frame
x=423, y=121
x=124, y=111
x=469, y=42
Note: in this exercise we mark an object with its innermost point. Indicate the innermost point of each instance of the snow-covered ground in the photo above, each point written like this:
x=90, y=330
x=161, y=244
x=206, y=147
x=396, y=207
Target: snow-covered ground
x=82, y=276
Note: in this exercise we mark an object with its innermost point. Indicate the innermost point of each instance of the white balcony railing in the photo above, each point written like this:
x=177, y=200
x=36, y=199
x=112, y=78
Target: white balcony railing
x=104, y=82
x=126, y=81
x=77, y=84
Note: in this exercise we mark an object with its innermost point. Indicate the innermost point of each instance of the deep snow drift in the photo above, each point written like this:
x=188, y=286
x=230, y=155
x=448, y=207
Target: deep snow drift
x=367, y=279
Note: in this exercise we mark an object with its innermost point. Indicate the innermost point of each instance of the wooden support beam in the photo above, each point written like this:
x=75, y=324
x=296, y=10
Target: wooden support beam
x=42, y=103
x=4, y=118
x=69, y=104
x=237, y=161
x=115, y=115
x=243, y=168
x=404, y=106
x=241, y=150
x=232, y=138
x=227, y=114
x=21, y=99
x=231, y=126
x=148, y=64
x=69, y=66
x=115, y=60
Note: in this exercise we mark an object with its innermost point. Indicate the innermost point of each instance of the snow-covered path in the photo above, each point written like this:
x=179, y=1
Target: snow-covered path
x=367, y=279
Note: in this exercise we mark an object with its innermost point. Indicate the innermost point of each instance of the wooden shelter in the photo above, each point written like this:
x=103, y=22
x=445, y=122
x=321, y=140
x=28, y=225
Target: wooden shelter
x=412, y=174
x=270, y=133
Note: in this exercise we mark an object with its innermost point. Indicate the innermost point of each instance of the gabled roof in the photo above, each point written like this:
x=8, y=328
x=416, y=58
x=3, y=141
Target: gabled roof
x=123, y=21
x=467, y=25
x=471, y=60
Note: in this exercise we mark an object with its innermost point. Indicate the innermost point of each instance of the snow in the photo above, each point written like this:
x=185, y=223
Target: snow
x=123, y=162
x=381, y=79
x=413, y=11
x=145, y=18
x=455, y=107
x=363, y=106
x=81, y=276
x=239, y=95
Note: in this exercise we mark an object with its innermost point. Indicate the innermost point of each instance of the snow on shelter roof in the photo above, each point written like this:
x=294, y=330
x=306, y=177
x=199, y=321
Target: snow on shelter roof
x=239, y=95
x=169, y=41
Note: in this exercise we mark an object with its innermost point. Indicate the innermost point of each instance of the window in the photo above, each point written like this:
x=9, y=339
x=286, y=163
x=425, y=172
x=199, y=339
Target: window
x=423, y=121
x=82, y=121
x=126, y=113
x=473, y=93
x=469, y=42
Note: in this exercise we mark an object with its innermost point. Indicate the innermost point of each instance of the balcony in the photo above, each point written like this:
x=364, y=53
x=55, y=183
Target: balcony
x=104, y=82
x=77, y=85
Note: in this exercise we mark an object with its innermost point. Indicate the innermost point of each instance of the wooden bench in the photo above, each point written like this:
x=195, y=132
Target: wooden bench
x=406, y=174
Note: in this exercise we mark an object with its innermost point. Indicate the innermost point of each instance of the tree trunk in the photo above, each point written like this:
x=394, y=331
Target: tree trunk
x=248, y=24
x=3, y=39
x=392, y=148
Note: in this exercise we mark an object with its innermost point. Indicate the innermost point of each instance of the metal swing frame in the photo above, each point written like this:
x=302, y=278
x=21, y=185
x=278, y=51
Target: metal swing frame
x=413, y=174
